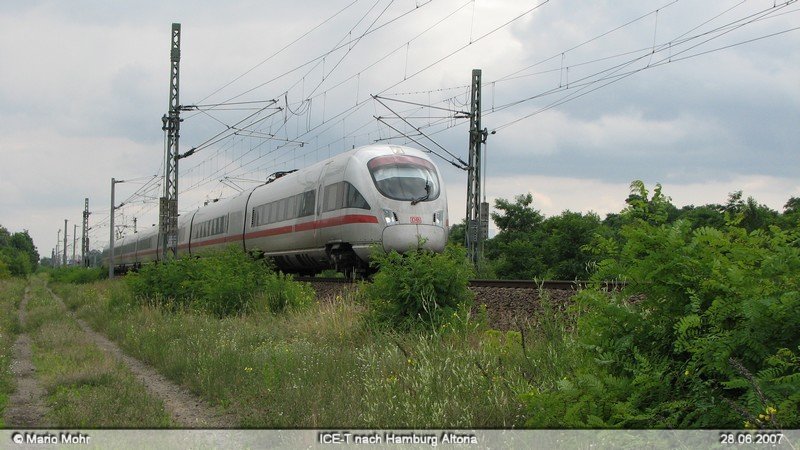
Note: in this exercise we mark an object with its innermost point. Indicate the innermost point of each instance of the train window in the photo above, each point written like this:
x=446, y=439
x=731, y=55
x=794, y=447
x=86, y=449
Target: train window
x=300, y=205
x=282, y=210
x=333, y=197
x=291, y=207
x=404, y=177
x=343, y=195
x=259, y=215
x=353, y=198
x=307, y=204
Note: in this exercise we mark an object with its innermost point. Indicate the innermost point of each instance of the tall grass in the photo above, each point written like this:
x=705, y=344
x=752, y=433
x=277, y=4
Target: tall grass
x=11, y=292
x=223, y=283
x=402, y=352
x=76, y=274
x=325, y=366
x=85, y=386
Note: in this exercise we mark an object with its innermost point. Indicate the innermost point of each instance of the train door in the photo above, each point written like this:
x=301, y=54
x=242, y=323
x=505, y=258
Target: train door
x=318, y=207
x=328, y=197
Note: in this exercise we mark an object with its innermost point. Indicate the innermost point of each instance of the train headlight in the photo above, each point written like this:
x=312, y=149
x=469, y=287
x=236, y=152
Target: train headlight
x=389, y=216
x=438, y=218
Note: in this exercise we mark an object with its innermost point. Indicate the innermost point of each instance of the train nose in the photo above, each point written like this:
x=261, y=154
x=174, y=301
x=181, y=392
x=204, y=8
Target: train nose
x=405, y=237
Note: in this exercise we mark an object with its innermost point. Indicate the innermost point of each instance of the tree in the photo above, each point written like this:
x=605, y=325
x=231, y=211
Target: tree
x=749, y=214
x=562, y=240
x=657, y=209
x=790, y=219
x=513, y=252
x=18, y=255
x=458, y=233
x=23, y=242
x=516, y=217
x=703, y=216
x=792, y=206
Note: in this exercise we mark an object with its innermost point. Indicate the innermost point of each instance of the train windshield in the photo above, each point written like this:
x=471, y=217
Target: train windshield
x=402, y=177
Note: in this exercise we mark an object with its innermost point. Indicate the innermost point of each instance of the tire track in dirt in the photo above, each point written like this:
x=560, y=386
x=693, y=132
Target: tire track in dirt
x=26, y=406
x=185, y=409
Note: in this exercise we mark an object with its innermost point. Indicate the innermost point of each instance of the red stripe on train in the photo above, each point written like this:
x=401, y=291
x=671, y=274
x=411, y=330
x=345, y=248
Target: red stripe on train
x=305, y=226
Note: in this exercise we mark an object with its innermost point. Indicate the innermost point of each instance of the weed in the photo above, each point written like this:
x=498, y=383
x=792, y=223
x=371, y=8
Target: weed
x=11, y=292
x=420, y=288
x=85, y=386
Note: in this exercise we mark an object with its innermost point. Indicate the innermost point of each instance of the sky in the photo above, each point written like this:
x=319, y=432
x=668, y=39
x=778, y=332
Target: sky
x=581, y=97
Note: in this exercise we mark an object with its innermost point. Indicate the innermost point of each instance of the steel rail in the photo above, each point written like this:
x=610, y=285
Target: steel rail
x=564, y=285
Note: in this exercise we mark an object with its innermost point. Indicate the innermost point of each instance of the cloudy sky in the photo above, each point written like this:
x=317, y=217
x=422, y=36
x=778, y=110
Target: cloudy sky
x=584, y=96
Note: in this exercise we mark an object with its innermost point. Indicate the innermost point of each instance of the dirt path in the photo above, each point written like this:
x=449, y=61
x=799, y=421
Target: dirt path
x=26, y=406
x=185, y=409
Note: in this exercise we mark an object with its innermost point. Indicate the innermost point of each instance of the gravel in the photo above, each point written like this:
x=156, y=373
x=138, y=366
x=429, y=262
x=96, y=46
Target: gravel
x=506, y=308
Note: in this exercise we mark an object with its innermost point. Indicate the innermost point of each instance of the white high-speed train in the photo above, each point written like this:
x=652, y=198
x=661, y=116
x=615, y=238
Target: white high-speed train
x=326, y=216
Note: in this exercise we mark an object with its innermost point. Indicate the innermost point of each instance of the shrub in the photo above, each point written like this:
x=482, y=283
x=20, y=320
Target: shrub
x=701, y=337
x=282, y=293
x=420, y=288
x=77, y=274
x=4, y=272
x=221, y=283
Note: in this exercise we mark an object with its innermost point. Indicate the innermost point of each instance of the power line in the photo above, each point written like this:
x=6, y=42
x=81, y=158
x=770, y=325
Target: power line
x=339, y=46
x=358, y=105
x=615, y=76
x=296, y=40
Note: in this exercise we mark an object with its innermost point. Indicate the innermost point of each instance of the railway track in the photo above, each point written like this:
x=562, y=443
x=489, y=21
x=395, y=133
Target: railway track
x=508, y=303
x=562, y=285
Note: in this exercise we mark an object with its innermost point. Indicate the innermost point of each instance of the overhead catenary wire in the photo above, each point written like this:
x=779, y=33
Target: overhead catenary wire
x=226, y=133
x=424, y=31
x=612, y=75
x=485, y=35
x=339, y=46
x=281, y=50
x=311, y=133
x=464, y=165
x=672, y=45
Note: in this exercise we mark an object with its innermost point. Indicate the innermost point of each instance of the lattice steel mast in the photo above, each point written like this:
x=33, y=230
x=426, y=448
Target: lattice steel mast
x=477, y=218
x=168, y=207
x=85, y=234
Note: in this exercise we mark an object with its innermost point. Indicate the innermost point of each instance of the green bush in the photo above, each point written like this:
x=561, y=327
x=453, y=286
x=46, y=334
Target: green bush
x=282, y=293
x=420, y=288
x=15, y=261
x=4, y=272
x=221, y=283
x=77, y=275
x=702, y=337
